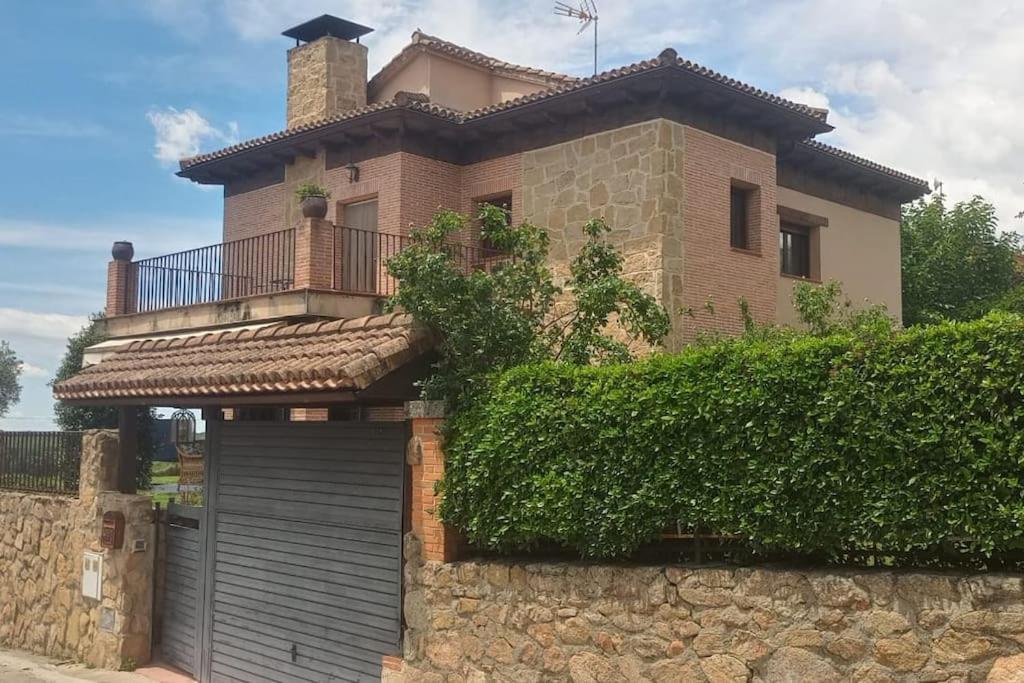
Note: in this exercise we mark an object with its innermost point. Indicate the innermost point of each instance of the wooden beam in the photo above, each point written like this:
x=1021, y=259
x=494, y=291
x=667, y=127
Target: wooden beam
x=128, y=435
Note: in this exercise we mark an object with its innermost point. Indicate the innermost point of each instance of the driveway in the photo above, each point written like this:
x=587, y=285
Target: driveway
x=21, y=667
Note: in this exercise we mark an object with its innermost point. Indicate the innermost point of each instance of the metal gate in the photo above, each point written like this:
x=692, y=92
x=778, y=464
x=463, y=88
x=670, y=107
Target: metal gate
x=304, y=570
x=182, y=588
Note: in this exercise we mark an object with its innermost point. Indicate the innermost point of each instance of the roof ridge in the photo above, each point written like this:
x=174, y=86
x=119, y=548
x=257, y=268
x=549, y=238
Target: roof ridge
x=420, y=37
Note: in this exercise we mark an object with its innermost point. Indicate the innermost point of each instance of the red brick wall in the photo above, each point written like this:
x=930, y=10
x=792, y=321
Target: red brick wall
x=439, y=543
x=711, y=267
x=256, y=212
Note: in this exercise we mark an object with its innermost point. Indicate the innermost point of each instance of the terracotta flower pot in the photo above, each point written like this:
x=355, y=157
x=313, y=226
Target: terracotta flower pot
x=314, y=207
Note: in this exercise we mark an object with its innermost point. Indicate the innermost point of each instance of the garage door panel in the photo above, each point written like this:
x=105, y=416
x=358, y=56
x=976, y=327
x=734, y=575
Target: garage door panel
x=359, y=541
x=308, y=550
x=295, y=594
x=326, y=512
x=293, y=554
x=309, y=647
x=267, y=492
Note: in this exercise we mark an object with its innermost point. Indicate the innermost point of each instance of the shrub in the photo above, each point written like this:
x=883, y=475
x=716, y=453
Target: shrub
x=307, y=190
x=825, y=445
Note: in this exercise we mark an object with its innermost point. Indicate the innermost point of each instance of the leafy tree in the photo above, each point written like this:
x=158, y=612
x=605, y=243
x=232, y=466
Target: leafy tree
x=77, y=418
x=955, y=264
x=10, y=371
x=511, y=312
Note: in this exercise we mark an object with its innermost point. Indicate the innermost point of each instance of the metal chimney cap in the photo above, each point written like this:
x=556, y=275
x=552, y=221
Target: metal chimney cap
x=327, y=25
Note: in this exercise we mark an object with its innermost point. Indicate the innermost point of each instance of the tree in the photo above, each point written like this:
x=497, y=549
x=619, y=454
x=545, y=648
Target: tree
x=511, y=312
x=77, y=418
x=955, y=264
x=10, y=371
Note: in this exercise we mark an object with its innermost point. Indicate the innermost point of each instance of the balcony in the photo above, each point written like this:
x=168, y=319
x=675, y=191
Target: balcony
x=317, y=269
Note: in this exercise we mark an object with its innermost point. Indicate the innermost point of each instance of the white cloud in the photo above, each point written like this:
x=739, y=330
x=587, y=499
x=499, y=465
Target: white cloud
x=152, y=235
x=29, y=370
x=181, y=134
x=15, y=322
x=18, y=125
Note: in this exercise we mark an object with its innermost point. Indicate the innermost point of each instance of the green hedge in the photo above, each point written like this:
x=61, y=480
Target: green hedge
x=813, y=446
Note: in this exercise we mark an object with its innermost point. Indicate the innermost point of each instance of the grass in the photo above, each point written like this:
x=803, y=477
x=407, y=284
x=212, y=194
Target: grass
x=164, y=473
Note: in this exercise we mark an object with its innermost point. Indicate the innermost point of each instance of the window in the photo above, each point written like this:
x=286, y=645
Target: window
x=795, y=250
x=740, y=199
x=503, y=202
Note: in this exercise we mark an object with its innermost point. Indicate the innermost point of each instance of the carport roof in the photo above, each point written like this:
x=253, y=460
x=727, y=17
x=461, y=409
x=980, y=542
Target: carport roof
x=281, y=358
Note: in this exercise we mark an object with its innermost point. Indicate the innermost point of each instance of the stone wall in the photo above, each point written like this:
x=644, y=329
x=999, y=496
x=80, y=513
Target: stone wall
x=42, y=541
x=478, y=621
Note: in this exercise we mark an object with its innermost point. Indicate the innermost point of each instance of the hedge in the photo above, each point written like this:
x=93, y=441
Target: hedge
x=816, y=445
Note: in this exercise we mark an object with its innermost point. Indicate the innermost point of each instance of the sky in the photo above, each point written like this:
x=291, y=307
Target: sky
x=99, y=98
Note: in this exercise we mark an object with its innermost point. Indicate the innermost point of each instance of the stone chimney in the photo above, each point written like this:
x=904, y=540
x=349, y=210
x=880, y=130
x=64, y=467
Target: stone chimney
x=326, y=69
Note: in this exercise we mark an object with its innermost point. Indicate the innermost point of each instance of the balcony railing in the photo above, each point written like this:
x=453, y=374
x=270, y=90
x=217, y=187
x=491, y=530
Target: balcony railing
x=318, y=255
x=361, y=258
x=255, y=265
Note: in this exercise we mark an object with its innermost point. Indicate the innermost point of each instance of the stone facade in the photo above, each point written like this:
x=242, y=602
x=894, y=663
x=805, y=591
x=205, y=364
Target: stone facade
x=325, y=77
x=480, y=621
x=42, y=541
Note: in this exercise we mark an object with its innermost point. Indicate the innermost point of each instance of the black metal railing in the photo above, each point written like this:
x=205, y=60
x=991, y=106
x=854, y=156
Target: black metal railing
x=40, y=462
x=361, y=258
x=255, y=265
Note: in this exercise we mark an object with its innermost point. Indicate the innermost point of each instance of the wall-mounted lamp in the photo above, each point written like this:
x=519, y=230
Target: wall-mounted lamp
x=353, y=173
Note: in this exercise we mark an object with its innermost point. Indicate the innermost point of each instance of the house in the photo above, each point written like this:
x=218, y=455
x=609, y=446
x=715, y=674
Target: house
x=714, y=189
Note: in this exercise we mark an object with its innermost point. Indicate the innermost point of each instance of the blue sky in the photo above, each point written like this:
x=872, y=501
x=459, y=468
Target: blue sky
x=97, y=97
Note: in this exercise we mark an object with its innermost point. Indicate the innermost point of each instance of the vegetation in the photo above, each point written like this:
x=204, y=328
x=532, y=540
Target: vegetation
x=307, y=190
x=824, y=445
x=512, y=312
x=75, y=418
x=956, y=265
x=10, y=371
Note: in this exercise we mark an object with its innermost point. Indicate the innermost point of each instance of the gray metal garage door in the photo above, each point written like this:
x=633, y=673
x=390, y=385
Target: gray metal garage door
x=306, y=574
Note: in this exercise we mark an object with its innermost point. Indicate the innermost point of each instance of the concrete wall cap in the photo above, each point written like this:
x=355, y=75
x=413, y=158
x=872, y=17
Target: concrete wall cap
x=424, y=409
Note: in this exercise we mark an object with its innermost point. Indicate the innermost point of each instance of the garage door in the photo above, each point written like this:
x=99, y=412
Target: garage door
x=306, y=574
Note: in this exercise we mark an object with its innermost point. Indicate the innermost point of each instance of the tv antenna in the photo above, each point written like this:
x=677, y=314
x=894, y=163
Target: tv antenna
x=586, y=14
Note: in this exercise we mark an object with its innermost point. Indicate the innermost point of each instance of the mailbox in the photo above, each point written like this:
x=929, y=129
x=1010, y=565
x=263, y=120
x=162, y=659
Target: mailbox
x=112, y=536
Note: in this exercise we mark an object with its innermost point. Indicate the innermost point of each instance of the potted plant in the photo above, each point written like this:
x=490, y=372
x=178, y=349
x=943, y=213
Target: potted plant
x=314, y=200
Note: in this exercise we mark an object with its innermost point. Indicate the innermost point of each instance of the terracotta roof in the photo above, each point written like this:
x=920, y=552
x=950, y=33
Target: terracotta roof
x=667, y=58
x=338, y=355
x=422, y=42
x=822, y=148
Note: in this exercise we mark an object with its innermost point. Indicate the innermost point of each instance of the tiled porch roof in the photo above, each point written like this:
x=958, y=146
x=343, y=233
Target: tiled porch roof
x=281, y=358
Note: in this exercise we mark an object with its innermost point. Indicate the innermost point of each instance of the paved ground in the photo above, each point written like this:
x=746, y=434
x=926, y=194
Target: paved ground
x=20, y=667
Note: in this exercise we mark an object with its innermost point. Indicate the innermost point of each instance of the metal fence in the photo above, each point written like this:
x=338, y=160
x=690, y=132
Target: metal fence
x=40, y=462
x=361, y=257
x=255, y=265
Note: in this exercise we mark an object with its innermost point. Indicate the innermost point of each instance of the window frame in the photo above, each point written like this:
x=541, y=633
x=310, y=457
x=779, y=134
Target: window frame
x=803, y=235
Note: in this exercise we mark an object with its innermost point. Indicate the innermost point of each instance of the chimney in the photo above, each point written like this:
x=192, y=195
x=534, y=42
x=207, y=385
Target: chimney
x=326, y=69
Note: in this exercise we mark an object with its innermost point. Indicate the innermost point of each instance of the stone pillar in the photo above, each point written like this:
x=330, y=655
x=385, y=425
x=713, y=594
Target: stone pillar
x=426, y=458
x=314, y=254
x=99, y=468
x=119, y=290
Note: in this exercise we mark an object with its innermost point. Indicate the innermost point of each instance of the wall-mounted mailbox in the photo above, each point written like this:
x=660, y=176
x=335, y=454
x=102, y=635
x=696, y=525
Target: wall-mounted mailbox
x=112, y=535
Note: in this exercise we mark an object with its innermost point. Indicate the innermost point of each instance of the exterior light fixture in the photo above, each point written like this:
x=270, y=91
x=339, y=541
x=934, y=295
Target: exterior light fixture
x=353, y=172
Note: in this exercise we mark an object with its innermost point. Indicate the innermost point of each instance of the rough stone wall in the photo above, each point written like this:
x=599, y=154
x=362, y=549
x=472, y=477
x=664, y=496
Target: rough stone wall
x=325, y=77
x=629, y=176
x=42, y=541
x=480, y=621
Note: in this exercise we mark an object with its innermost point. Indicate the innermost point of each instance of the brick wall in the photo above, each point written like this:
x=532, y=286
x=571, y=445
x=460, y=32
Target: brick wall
x=711, y=267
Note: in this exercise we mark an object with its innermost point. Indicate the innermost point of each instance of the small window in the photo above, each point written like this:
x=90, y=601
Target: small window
x=740, y=199
x=503, y=202
x=795, y=250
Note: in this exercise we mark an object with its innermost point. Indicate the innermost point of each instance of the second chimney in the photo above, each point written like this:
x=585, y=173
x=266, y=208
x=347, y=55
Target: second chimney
x=326, y=69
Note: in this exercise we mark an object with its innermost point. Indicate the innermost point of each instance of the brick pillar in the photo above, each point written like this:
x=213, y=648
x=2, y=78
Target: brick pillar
x=314, y=254
x=119, y=290
x=439, y=543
